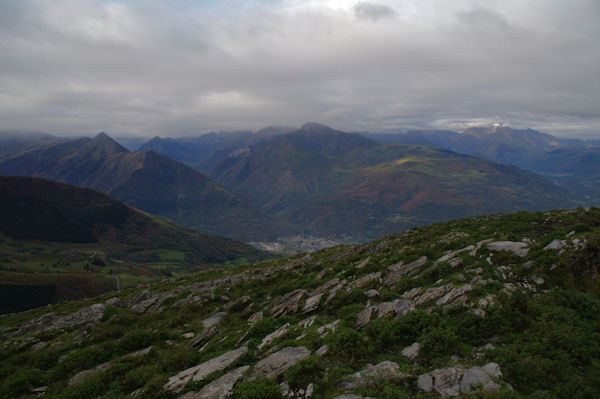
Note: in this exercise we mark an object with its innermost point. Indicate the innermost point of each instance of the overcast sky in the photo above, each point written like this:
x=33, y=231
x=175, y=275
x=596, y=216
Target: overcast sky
x=173, y=67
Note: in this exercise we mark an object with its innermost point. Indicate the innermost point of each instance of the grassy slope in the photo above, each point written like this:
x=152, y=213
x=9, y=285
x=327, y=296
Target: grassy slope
x=545, y=335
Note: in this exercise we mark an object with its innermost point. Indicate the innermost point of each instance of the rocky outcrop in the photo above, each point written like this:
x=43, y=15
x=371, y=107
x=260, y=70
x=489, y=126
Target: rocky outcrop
x=518, y=248
x=288, y=303
x=280, y=361
x=400, y=269
x=452, y=381
x=91, y=314
x=312, y=303
x=198, y=373
x=213, y=320
x=204, y=336
x=386, y=370
x=146, y=302
x=364, y=280
x=281, y=331
x=219, y=388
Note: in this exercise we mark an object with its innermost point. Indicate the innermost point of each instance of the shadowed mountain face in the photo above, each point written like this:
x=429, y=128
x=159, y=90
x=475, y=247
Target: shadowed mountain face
x=571, y=164
x=345, y=184
x=150, y=182
x=39, y=209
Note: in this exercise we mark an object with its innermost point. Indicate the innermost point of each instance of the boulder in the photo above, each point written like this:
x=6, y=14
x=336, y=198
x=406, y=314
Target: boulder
x=372, y=293
x=280, y=361
x=412, y=351
x=385, y=370
x=322, y=350
x=518, y=248
x=477, y=378
x=446, y=381
x=288, y=303
x=309, y=321
x=198, y=373
x=219, y=388
x=213, y=320
x=385, y=308
x=555, y=244
x=364, y=317
x=312, y=303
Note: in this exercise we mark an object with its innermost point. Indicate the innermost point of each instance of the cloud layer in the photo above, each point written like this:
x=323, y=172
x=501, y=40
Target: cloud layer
x=167, y=68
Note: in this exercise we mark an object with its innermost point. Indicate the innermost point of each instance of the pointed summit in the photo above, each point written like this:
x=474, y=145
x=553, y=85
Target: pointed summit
x=106, y=144
x=313, y=127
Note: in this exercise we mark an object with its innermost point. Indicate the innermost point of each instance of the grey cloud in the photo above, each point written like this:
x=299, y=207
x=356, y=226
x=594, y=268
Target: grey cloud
x=373, y=11
x=147, y=68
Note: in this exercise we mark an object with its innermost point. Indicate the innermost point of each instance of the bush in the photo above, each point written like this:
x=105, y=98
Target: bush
x=257, y=389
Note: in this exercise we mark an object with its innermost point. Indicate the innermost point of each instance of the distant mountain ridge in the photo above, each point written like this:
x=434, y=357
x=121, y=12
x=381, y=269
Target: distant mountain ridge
x=150, y=182
x=346, y=184
x=571, y=163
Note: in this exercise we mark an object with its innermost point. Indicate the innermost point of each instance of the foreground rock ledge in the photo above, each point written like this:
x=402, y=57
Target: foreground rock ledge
x=198, y=373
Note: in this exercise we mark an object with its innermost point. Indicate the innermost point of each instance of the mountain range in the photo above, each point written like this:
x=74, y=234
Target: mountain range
x=338, y=183
x=147, y=181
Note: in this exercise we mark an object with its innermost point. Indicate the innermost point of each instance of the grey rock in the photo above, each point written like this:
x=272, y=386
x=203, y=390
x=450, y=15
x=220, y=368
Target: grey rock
x=372, y=293
x=310, y=390
x=309, y=321
x=518, y=248
x=364, y=317
x=219, y=388
x=116, y=302
x=453, y=294
x=312, y=303
x=199, y=372
x=280, y=361
x=555, y=244
x=91, y=314
x=363, y=263
x=364, y=280
x=351, y=396
x=403, y=306
x=333, y=290
x=410, y=294
x=256, y=317
x=385, y=308
x=144, y=302
x=433, y=293
x=322, y=350
x=398, y=270
x=273, y=336
x=288, y=303
x=331, y=283
x=37, y=324
x=425, y=383
x=80, y=377
x=214, y=319
x=327, y=328
x=412, y=351
x=204, y=335
x=446, y=381
x=492, y=369
x=477, y=378
x=386, y=370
